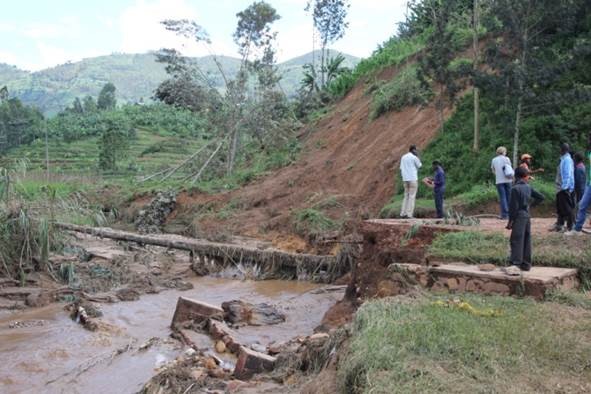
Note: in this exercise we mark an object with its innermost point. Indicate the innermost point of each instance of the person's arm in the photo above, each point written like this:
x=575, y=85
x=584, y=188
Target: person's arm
x=513, y=207
x=565, y=174
x=537, y=197
x=418, y=162
x=438, y=180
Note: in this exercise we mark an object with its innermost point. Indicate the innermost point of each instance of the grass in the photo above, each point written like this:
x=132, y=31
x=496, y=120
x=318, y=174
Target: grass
x=402, y=91
x=419, y=346
x=553, y=250
x=575, y=299
x=310, y=221
x=391, y=53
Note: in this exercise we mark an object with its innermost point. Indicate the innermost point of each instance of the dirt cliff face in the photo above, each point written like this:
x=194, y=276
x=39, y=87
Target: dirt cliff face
x=346, y=155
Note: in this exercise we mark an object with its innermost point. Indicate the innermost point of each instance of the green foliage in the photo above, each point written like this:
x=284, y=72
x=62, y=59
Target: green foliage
x=106, y=98
x=114, y=142
x=19, y=124
x=311, y=222
x=577, y=299
x=392, y=52
x=404, y=90
x=405, y=346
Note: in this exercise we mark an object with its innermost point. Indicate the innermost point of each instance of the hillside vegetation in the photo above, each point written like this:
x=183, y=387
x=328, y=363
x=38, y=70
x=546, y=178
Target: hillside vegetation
x=136, y=76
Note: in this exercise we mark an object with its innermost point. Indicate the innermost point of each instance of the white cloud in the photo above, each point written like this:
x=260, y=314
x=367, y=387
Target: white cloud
x=65, y=27
x=8, y=58
x=142, y=31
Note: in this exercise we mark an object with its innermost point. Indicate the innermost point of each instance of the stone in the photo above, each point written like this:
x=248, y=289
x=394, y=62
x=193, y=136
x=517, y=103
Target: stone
x=231, y=344
x=192, y=310
x=220, y=347
x=198, y=374
x=275, y=347
x=210, y=363
x=127, y=294
x=474, y=285
x=251, y=362
x=487, y=267
x=257, y=347
x=388, y=288
x=237, y=312
x=217, y=373
x=497, y=288
x=38, y=299
x=452, y=284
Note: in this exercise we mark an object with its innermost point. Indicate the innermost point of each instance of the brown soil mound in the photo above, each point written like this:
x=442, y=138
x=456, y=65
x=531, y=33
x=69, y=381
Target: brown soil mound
x=346, y=156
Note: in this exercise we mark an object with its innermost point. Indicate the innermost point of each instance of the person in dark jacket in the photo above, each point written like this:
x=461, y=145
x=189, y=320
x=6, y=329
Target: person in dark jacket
x=519, y=219
x=580, y=177
x=437, y=183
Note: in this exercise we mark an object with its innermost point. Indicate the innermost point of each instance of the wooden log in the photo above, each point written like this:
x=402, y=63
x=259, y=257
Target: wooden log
x=217, y=250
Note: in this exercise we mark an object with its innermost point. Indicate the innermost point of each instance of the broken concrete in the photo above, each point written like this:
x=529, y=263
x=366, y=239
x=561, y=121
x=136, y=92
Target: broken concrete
x=251, y=362
x=151, y=218
x=240, y=312
x=196, y=311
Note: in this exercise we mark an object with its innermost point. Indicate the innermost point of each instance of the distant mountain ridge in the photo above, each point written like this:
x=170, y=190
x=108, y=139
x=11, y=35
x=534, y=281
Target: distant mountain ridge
x=135, y=76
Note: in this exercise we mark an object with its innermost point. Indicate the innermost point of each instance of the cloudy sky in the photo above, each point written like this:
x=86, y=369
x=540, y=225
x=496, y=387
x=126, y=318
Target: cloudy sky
x=37, y=34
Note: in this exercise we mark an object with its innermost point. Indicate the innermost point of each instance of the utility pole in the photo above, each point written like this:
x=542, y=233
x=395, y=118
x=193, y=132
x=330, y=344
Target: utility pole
x=476, y=91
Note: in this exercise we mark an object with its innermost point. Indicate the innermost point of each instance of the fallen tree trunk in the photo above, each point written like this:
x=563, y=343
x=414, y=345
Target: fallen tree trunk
x=229, y=253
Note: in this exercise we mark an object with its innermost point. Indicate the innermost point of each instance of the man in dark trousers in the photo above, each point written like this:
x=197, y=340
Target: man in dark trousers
x=565, y=187
x=437, y=183
x=519, y=219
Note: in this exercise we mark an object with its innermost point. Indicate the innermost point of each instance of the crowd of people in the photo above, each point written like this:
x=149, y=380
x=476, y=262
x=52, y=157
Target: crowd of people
x=573, y=194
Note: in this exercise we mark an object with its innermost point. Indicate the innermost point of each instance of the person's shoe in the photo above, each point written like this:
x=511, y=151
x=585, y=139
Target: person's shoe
x=512, y=270
x=555, y=228
x=573, y=232
x=525, y=267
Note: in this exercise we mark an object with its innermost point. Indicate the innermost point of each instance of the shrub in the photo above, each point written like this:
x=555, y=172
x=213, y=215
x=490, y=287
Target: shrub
x=404, y=90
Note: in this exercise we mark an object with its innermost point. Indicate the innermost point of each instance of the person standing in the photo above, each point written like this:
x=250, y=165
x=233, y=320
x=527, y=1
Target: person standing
x=501, y=168
x=519, y=219
x=526, y=162
x=580, y=177
x=437, y=183
x=565, y=186
x=585, y=202
x=409, y=169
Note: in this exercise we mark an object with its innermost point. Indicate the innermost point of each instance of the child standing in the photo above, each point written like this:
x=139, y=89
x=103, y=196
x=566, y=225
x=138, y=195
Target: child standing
x=519, y=219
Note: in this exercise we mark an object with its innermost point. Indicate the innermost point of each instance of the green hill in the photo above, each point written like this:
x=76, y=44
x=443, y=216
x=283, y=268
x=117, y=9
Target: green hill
x=135, y=76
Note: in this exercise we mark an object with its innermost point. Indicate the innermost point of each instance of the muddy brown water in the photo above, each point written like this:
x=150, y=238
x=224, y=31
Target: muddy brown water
x=50, y=353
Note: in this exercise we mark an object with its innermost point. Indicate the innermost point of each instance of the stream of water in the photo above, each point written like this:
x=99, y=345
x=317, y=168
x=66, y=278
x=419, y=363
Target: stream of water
x=49, y=353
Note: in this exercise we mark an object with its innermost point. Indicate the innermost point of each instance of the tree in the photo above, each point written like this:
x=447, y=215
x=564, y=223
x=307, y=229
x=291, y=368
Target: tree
x=106, y=99
x=475, y=90
x=115, y=135
x=439, y=52
x=19, y=123
x=329, y=18
x=89, y=105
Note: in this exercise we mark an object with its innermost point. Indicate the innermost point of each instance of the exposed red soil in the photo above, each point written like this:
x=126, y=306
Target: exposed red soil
x=346, y=155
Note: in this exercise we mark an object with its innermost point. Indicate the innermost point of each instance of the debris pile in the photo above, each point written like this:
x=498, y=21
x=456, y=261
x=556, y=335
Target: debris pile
x=151, y=218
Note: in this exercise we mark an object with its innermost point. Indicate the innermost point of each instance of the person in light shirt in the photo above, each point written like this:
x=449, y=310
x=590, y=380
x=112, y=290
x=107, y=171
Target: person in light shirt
x=409, y=169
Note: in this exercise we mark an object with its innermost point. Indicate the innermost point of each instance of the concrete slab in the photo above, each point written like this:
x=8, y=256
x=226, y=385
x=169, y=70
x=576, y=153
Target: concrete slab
x=460, y=277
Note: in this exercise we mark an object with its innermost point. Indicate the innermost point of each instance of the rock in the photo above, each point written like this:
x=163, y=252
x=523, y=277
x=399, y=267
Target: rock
x=452, y=284
x=217, y=373
x=257, y=347
x=190, y=352
x=487, y=267
x=220, y=347
x=210, y=363
x=231, y=344
x=251, y=362
x=39, y=299
x=319, y=337
x=275, y=347
x=192, y=310
x=388, y=288
x=497, y=288
x=237, y=312
x=127, y=294
x=198, y=374
x=474, y=285
x=217, y=329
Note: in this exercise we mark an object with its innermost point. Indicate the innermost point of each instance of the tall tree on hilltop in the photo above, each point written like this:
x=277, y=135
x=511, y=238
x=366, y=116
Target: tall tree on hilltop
x=439, y=52
x=106, y=98
x=330, y=20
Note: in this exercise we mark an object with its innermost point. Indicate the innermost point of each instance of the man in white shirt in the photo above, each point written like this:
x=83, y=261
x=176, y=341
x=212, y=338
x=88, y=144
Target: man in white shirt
x=409, y=169
x=501, y=168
